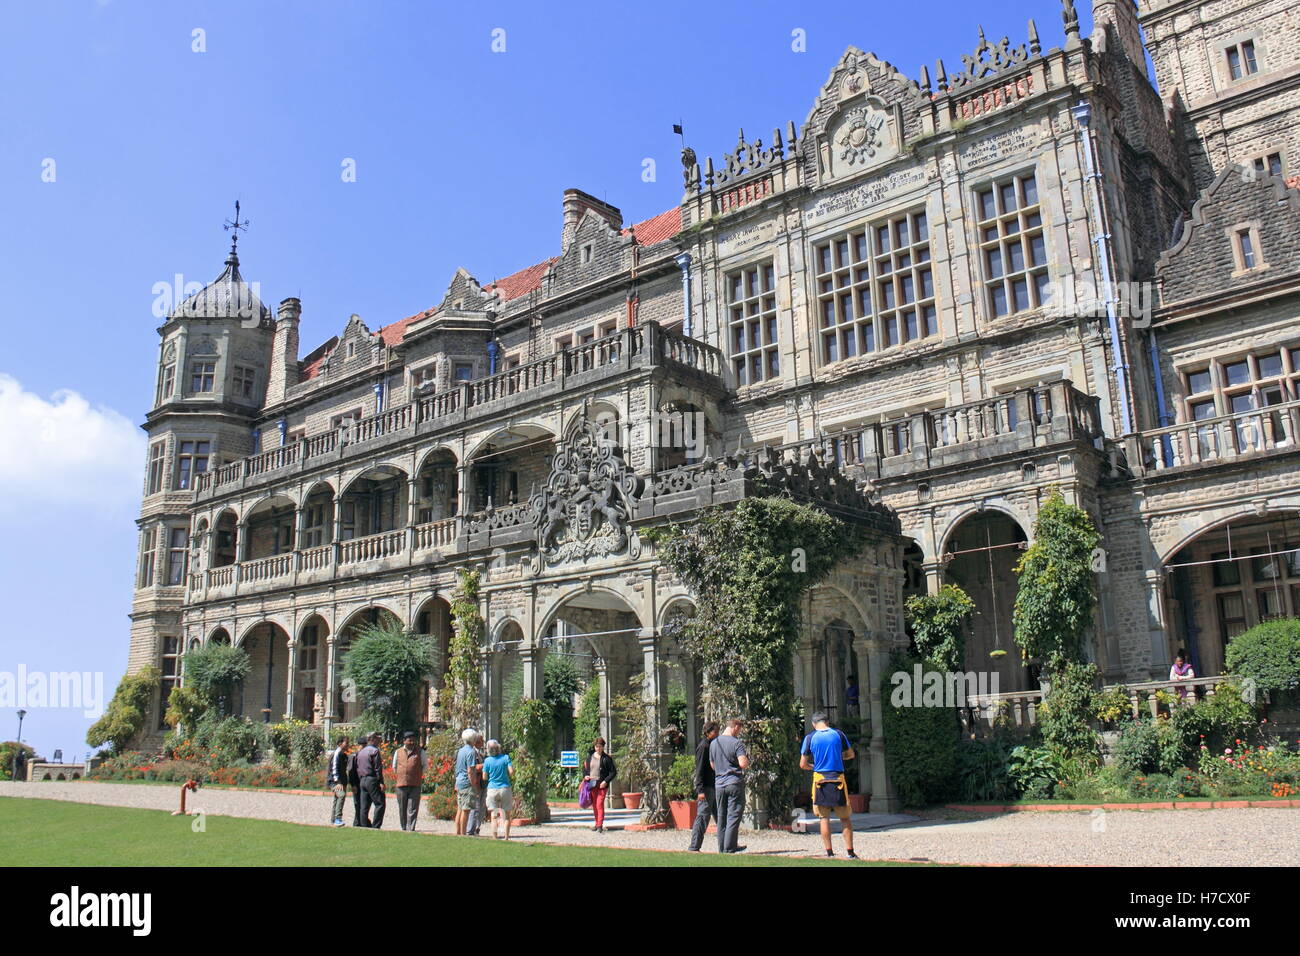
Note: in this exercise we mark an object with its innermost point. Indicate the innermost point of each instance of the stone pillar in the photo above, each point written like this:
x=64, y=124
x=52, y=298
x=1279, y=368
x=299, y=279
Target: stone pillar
x=1159, y=660
x=533, y=658
x=241, y=541
x=868, y=678
x=933, y=576
x=331, y=684
x=601, y=667
x=462, y=490
x=883, y=797
x=648, y=639
x=291, y=679
x=692, y=708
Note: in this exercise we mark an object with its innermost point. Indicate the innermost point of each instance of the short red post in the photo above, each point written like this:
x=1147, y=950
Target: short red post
x=188, y=785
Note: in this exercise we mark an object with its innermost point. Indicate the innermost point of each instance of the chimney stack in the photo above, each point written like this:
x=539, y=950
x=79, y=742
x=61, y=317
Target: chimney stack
x=284, y=352
x=575, y=203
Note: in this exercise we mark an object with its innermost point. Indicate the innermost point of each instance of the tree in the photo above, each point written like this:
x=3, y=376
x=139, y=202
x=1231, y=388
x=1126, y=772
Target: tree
x=460, y=694
x=530, y=726
x=125, y=715
x=1269, y=654
x=1058, y=587
x=213, y=671
x=748, y=566
x=386, y=663
x=586, y=722
x=938, y=625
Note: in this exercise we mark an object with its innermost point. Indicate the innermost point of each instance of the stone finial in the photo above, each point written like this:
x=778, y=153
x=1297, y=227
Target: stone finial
x=708, y=171
x=777, y=150
x=1071, y=18
x=941, y=76
x=790, y=135
x=925, y=80
x=1035, y=47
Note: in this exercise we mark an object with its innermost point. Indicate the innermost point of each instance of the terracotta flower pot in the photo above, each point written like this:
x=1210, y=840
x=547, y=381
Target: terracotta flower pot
x=683, y=812
x=858, y=802
x=632, y=801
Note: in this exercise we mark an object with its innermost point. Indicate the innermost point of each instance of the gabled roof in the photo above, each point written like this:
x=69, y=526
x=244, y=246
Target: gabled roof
x=649, y=232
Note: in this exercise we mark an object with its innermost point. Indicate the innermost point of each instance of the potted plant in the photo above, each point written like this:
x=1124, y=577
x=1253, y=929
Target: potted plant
x=679, y=788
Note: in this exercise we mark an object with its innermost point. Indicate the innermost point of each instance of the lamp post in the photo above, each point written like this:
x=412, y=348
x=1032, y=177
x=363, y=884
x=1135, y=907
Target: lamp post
x=19, y=749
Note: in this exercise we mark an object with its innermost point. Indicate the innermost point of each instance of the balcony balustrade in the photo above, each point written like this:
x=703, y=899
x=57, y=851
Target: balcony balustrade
x=642, y=346
x=1219, y=440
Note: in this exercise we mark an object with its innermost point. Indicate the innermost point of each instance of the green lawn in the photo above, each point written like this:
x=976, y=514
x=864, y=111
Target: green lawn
x=58, y=833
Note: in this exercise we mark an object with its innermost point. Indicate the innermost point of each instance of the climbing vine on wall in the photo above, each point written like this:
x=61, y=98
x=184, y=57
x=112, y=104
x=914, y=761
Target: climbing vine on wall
x=938, y=625
x=1058, y=586
x=748, y=567
x=460, y=693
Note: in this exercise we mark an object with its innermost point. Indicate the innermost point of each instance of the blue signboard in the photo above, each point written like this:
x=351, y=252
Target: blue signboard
x=568, y=758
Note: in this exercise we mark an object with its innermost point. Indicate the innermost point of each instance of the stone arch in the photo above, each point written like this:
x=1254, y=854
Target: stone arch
x=612, y=588
x=270, y=526
x=1023, y=520
x=219, y=635
x=979, y=555
x=311, y=661
x=442, y=448
x=521, y=428
x=264, y=692
x=223, y=548
x=1239, y=569
x=346, y=704
x=507, y=464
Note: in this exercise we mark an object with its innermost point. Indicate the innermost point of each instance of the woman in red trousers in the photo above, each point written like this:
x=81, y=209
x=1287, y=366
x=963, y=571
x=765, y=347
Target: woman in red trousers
x=600, y=770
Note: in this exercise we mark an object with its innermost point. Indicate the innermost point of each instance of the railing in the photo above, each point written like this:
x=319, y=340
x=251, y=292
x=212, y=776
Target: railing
x=647, y=342
x=221, y=577
x=372, y=547
x=1221, y=439
x=313, y=559
x=265, y=569
x=436, y=534
x=1021, y=707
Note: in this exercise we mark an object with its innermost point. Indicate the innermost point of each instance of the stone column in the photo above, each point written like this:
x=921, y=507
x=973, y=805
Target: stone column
x=933, y=576
x=1158, y=626
x=241, y=541
x=692, y=708
x=291, y=680
x=883, y=797
x=601, y=668
x=648, y=639
x=462, y=490
x=331, y=678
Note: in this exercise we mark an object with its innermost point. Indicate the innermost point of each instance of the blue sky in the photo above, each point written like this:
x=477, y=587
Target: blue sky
x=461, y=156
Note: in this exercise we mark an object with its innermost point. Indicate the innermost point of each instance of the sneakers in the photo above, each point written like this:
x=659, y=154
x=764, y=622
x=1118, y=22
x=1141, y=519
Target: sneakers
x=337, y=823
x=832, y=853
x=739, y=849
x=852, y=855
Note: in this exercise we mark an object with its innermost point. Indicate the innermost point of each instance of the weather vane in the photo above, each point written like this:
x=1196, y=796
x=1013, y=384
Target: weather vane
x=234, y=226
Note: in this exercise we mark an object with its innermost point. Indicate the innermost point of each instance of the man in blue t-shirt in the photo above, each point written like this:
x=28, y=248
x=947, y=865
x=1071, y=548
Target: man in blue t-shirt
x=824, y=752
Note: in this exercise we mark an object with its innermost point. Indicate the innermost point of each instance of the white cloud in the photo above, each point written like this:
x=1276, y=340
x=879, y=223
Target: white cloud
x=64, y=453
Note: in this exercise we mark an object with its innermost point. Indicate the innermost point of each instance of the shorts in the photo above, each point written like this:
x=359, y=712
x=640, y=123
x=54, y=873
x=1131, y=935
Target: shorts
x=466, y=798
x=500, y=798
x=844, y=812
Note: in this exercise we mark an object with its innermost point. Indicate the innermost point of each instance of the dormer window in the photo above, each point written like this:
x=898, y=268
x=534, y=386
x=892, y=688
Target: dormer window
x=1269, y=164
x=1241, y=59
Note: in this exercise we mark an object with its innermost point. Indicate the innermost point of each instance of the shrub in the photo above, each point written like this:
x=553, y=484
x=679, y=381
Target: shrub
x=214, y=671
x=984, y=770
x=1112, y=704
x=586, y=723
x=1137, y=751
x=1269, y=653
x=7, y=751
x=1066, y=712
x=386, y=663
x=530, y=724
x=440, y=782
x=920, y=744
x=562, y=782
x=125, y=714
x=939, y=625
x=1057, y=590
x=1033, y=771
x=679, y=782
x=238, y=738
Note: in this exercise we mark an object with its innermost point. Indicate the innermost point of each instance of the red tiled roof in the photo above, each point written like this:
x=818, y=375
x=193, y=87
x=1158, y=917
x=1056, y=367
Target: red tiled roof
x=521, y=282
x=649, y=232
x=658, y=228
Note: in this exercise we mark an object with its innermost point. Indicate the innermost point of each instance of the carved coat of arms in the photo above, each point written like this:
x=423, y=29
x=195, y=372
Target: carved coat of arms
x=587, y=501
x=861, y=135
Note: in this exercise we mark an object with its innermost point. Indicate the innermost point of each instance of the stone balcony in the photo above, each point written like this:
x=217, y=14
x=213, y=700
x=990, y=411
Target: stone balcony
x=800, y=471
x=962, y=435
x=640, y=350
x=1238, y=439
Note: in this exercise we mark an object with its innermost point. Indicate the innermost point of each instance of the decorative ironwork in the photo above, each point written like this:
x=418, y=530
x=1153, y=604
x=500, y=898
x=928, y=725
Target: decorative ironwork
x=989, y=60
x=586, y=504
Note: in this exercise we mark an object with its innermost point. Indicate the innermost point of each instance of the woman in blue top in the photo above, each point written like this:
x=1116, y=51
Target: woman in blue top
x=498, y=770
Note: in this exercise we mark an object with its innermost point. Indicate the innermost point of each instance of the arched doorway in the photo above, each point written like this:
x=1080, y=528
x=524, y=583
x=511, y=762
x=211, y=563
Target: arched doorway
x=434, y=619
x=1227, y=579
x=348, y=705
x=980, y=558
x=311, y=660
x=262, y=694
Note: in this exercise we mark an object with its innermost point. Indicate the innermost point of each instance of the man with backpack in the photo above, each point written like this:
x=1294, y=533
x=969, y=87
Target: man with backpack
x=824, y=752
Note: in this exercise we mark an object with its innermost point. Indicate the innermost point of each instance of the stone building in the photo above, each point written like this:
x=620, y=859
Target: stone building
x=925, y=306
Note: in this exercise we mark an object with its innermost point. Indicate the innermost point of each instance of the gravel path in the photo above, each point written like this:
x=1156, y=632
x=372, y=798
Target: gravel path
x=1249, y=837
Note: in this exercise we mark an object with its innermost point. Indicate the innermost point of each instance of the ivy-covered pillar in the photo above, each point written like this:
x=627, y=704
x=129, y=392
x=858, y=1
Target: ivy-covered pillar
x=883, y=797
x=648, y=639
